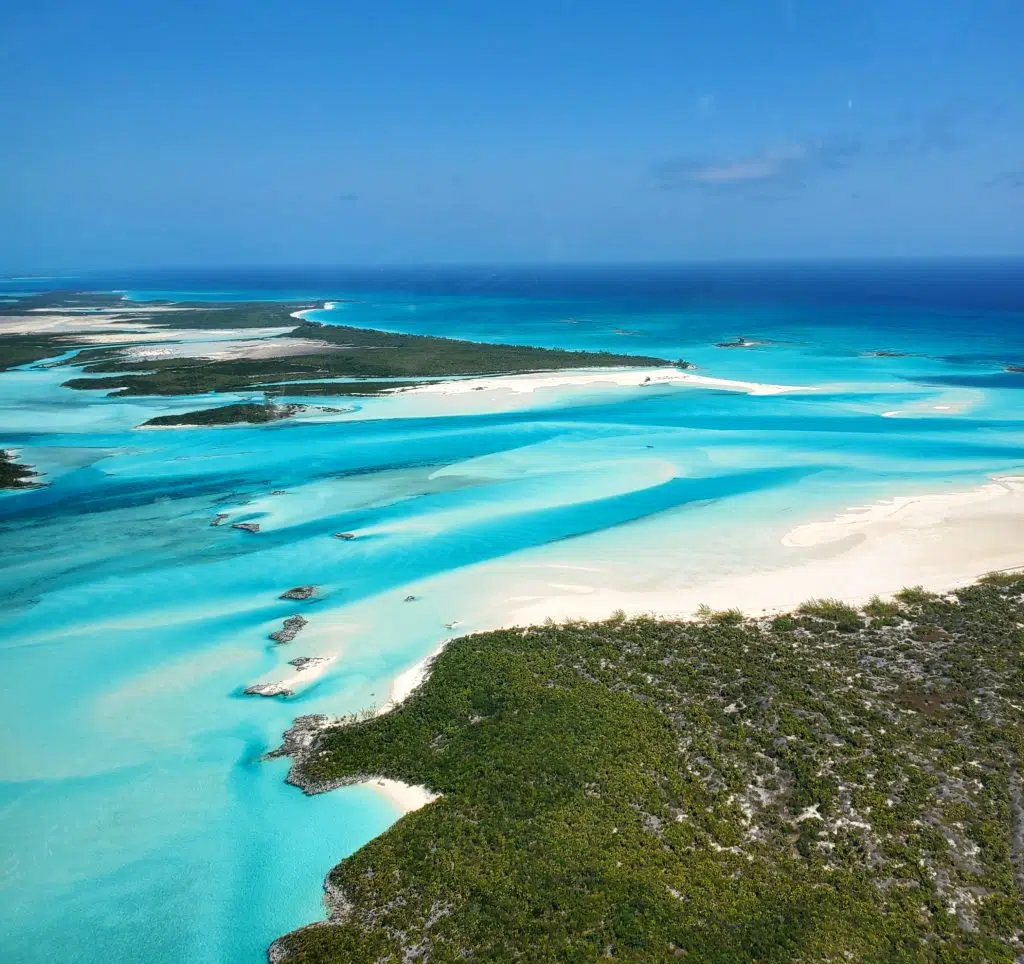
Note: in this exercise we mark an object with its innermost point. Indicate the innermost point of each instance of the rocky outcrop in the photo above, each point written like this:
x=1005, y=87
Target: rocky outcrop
x=269, y=689
x=302, y=663
x=300, y=592
x=247, y=526
x=291, y=628
x=300, y=738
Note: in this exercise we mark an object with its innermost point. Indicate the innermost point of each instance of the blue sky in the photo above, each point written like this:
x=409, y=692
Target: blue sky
x=180, y=132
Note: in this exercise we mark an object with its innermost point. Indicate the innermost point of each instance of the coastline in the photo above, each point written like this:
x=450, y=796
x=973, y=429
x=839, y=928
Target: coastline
x=936, y=540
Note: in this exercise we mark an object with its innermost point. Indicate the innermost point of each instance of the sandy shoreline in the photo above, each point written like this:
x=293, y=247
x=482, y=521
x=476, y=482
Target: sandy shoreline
x=583, y=378
x=406, y=682
x=939, y=540
x=403, y=795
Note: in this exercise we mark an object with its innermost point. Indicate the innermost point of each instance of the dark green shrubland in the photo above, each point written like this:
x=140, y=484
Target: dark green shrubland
x=789, y=790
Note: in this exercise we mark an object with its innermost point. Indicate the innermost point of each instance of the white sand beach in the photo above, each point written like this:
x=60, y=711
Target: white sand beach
x=582, y=378
x=403, y=795
x=406, y=682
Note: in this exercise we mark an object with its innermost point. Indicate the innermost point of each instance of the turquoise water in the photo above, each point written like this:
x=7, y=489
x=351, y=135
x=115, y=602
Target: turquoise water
x=138, y=821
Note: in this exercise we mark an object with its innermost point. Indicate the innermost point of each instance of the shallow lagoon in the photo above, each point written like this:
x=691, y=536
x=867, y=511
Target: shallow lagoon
x=138, y=821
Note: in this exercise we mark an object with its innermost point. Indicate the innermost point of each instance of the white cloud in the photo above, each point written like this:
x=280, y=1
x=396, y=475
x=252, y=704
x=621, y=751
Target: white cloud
x=767, y=165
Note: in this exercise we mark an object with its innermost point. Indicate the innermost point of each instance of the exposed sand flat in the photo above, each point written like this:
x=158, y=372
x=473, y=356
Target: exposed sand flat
x=920, y=510
x=128, y=307
x=404, y=796
x=230, y=349
x=108, y=328
x=152, y=342
x=291, y=679
x=52, y=323
x=583, y=378
x=939, y=541
x=173, y=336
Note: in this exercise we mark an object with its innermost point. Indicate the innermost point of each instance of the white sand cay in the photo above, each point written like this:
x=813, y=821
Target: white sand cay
x=404, y=796
x=582, y=378
x=939, y=541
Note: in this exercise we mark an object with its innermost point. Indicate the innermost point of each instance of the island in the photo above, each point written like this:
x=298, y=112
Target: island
x=243, y=412
x=834, y=784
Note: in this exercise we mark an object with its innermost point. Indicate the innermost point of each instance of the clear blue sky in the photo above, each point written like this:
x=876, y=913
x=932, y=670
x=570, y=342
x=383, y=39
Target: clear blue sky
x=183, y=132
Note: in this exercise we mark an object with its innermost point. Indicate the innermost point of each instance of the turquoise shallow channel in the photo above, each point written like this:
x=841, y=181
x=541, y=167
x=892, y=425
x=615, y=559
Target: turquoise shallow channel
x=137, y=818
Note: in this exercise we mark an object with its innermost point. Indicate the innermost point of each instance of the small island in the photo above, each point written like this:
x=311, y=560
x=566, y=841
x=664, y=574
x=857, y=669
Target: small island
x=835, y=784
x=251, y=413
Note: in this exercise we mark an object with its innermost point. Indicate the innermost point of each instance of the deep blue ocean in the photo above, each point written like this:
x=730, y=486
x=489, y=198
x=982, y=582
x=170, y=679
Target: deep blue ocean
x=138, y=821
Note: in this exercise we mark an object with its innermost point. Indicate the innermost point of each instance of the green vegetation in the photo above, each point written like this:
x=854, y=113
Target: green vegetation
x=14, y=475
x=1011, y=578
x=881, y=609
x=845, y=618
x=644, y=790
x=343, y=353
x=25, y=349
x=251, y=412
x=332, y=352
x=723, y=617
x=915, y=595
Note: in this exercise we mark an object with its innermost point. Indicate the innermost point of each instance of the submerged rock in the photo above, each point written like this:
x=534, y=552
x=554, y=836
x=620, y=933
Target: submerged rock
x=1018, y=369
x=218, y=518
x=300, y=592
x=290, y=629
x=268, y=689
x=887, y=354
x=279, y=492
x=247, y=526
x=411, y=598
x=344, y=535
